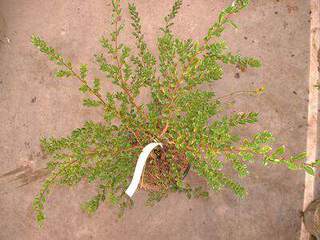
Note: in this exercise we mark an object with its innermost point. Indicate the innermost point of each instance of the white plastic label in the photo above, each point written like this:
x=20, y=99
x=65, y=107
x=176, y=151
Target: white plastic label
x=139, y=167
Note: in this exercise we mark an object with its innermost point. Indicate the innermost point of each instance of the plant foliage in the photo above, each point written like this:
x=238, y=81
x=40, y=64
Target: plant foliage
x=187, y=120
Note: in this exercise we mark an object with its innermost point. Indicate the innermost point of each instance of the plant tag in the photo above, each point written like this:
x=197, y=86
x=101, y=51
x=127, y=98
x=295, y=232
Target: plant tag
x=139, y=167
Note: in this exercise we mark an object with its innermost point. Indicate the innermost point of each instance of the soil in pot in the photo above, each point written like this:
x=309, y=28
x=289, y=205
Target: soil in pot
x=158, y=173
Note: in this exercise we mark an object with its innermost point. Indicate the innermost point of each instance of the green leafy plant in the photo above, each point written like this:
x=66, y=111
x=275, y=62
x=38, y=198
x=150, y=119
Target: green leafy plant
x=190, y=123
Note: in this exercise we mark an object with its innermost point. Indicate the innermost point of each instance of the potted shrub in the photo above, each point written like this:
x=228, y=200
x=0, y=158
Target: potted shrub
x=189, y=122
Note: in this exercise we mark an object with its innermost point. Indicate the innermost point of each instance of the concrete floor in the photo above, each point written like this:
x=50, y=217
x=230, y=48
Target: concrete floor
x=34, y=104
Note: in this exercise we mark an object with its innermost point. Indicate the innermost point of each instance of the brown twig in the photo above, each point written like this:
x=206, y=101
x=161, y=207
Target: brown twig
x=123, y=83
x=98, y=95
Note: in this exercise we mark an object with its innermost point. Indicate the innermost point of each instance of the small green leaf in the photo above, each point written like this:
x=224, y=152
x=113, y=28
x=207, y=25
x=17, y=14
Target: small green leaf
x=84, y=88
x=292, y=166
x=309, y=170
x=96, y=85
x=83, y=71
x=252, y=62
x=63, y=73
x=91, y=103
x=317, y=163
x=40, y=217
x=299, y=156
x=280, y=151
x=247, y=156
x=265, y=149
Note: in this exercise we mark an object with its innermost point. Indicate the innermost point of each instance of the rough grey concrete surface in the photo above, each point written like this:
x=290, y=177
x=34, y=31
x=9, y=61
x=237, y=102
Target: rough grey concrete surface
x=34, y=104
